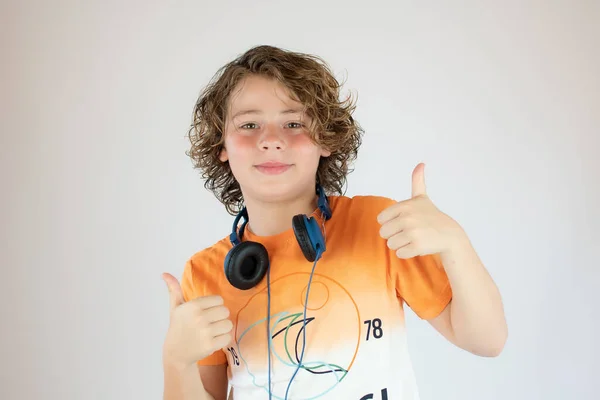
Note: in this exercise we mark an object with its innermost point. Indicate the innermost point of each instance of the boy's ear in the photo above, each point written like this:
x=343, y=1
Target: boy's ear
x=223, y=154
x=325, y=152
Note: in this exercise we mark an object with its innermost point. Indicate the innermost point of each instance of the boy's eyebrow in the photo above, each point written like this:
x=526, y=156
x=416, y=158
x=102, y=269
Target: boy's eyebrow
x=288, y=111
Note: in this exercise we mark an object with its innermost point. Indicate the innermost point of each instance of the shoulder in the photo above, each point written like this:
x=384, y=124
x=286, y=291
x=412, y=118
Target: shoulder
x=211, y=254
x=203, y=272
x=355, y=206
x=357, y=214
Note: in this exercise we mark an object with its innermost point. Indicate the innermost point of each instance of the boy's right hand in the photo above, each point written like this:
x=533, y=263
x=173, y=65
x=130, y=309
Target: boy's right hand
x=197, y=328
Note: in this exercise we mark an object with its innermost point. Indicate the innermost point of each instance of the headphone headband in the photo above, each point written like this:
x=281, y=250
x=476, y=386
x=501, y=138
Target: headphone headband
x=323, y=203
x=233, y=237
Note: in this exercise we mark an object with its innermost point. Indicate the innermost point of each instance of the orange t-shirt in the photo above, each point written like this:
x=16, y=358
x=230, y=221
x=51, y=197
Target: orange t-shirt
x=355, y=334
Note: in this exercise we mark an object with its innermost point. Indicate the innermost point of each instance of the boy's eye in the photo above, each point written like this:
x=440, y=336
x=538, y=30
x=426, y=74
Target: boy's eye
x=250, y=125
x=295, y=125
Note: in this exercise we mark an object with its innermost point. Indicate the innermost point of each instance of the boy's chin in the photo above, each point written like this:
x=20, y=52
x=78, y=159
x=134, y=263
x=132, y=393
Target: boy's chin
x=275, y=192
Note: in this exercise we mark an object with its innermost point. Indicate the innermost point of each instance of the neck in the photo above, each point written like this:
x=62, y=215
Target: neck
x=267, y=219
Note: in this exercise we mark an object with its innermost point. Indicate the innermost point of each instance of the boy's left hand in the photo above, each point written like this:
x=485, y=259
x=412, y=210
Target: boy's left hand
x=416, y=227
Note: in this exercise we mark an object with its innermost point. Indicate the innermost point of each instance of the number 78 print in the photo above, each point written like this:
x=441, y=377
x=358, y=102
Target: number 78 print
x=374, y=328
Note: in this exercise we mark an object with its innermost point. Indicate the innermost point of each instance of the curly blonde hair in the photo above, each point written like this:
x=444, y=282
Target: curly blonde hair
x=309, y=79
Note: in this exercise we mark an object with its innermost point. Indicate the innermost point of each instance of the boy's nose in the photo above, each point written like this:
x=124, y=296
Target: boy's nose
x=271, y=139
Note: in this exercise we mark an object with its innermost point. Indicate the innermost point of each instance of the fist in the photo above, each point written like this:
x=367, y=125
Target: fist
x=197, y=328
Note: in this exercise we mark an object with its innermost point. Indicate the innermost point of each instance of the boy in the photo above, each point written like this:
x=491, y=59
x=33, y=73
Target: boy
x=304, y=300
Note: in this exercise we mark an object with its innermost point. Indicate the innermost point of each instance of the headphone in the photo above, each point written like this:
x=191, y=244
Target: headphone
x=247, y=262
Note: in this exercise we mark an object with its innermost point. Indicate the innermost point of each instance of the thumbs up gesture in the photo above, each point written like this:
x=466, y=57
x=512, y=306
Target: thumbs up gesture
x=197, y=328
x=416, y=227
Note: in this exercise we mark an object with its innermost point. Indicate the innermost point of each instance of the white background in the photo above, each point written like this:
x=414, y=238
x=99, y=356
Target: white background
x=501, y=100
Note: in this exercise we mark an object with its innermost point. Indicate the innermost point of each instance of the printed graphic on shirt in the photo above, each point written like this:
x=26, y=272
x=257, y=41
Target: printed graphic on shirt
x=332, y=318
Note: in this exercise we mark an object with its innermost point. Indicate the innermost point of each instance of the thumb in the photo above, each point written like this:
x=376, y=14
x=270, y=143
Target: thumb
x=418, y=181
x=175, y=292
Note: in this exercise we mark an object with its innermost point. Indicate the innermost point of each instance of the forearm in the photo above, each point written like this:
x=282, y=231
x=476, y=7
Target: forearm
x=476, y=311
x=183, y=383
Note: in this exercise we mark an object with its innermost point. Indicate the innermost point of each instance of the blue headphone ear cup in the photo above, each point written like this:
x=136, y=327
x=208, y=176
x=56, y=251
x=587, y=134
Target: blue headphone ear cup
x=301, y=230
x=246, y=264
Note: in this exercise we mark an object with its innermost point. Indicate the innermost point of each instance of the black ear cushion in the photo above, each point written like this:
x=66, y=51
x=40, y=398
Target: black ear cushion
x=247, y=265
x=303, y=239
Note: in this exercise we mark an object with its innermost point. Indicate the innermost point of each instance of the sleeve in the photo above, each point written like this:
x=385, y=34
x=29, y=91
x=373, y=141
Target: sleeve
x=191, y=289
x=421, y=282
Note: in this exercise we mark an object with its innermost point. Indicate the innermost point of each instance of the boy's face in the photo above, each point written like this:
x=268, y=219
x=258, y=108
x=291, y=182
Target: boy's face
x=267, y=142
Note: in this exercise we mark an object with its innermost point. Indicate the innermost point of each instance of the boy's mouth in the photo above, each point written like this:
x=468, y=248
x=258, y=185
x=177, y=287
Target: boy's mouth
x=273, y=167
